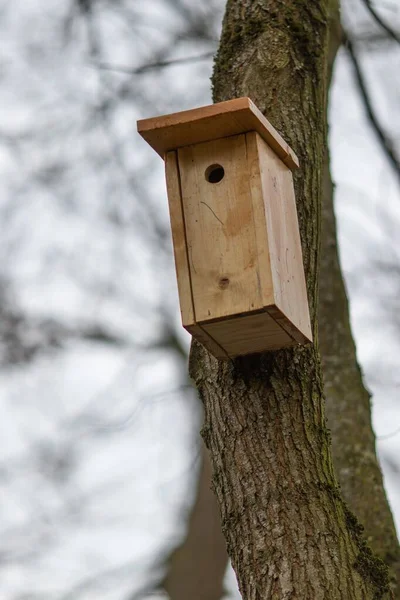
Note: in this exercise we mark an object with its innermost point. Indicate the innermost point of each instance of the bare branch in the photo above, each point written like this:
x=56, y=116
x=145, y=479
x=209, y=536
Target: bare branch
x=386, y=143
x=153, y=66
x=391, y=33
x=97, y=580
x=387, y=436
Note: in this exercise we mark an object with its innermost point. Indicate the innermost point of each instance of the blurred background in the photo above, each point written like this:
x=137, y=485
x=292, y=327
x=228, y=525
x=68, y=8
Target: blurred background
x=100, y=452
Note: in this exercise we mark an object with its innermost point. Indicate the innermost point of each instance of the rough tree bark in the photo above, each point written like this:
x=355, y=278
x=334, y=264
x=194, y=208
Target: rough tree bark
x=288, y=532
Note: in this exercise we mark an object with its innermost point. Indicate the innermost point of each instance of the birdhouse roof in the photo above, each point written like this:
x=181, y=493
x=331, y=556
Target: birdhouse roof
x=207, y=123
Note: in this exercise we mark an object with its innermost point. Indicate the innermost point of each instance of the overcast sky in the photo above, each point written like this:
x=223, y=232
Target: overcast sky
x=99, y=449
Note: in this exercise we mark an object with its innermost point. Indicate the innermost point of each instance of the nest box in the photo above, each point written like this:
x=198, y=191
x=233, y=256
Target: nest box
x=234, y=227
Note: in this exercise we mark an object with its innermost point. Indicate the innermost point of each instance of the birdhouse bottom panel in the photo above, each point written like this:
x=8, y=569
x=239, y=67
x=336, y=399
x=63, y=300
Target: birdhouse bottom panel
x=247, y=334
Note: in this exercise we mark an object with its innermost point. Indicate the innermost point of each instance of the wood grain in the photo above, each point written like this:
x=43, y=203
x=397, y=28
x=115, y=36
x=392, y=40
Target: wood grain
x=220, y=229
x=284, y=243
x=181, y=257
x=287, y=325
x=260, y=226
x=249, y=334
x=179, y=239
x=169, y=132
x=205, y=337
x=237, y=246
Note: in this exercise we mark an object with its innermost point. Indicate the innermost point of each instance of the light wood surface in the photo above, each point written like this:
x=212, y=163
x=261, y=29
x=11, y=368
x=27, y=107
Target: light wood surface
x=206, y=123
x=181, y=257
x=220, y=229
x=179, y=239
x=260, y=229
x=249, y=334
x=287, y=269
x=203, y=336
x=287, y=325
x=236, y=244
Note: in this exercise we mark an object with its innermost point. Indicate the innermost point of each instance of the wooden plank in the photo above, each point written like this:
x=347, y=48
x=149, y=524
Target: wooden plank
x=205, y=338
x=284, y=240
x=249, y=334
x=260, y=225
x=169, y=132
x=287, y=325
x=179, y=239
x=220, y=229
x=181, y=258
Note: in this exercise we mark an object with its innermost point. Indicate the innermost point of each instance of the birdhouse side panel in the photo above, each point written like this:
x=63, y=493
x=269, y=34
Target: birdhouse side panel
x=284, y=242
x=179, y=238
x=220, y=228
x=260, y=223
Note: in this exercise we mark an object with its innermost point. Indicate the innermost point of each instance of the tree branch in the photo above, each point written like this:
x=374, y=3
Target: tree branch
x=391, y=33
x=153, y=66
x=386, y=143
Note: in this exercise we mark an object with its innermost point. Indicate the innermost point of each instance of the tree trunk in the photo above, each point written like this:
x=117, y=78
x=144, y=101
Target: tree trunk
x=198, y=566
x=348, y=405
x=347, y=401
x=288, y=531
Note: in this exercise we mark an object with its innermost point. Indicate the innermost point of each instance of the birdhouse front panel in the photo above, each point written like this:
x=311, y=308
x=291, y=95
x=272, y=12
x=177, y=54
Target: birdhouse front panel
x=221, y=229
x=234, y=227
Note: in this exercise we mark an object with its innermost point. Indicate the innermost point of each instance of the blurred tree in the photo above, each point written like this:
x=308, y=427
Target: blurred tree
x=196, y=569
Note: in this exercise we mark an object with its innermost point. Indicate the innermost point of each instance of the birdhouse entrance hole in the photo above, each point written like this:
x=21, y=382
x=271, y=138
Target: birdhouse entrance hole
x=236, y=238
x=214, y=173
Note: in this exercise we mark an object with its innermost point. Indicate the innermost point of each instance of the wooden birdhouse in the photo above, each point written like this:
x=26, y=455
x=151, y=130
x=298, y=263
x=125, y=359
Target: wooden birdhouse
x=234, y=227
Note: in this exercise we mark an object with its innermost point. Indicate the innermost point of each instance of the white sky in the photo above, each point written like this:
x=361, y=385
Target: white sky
x=128, y=445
